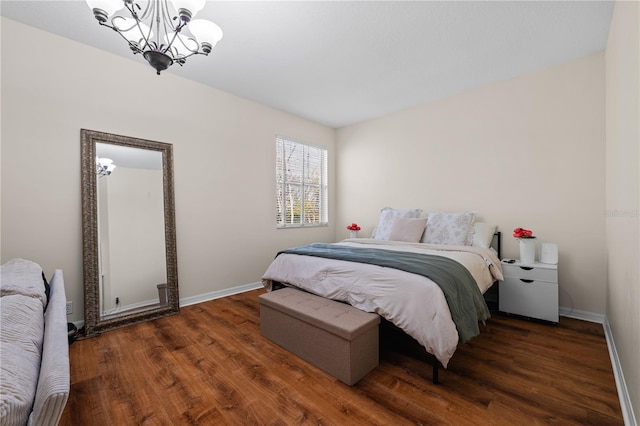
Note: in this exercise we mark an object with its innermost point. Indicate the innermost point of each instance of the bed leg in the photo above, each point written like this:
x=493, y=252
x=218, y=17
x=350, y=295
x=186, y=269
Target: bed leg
x=436, y=363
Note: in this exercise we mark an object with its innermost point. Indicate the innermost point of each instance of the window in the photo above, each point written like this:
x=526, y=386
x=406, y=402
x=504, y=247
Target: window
x=301, y=184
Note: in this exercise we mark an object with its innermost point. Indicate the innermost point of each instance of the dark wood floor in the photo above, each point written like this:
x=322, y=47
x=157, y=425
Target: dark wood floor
x=210, y=365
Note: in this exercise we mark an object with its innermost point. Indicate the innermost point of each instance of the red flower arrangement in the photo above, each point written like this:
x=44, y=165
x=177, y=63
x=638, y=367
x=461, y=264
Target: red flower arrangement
x=522, y=233
x=353, y=227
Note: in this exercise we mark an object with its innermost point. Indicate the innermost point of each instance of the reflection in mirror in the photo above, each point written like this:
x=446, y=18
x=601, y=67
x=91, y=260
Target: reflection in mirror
x=129, y=233
x=131, y=254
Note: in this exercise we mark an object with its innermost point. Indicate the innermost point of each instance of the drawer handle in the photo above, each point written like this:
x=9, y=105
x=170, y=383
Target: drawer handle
x=526, y=281
x=526, y=268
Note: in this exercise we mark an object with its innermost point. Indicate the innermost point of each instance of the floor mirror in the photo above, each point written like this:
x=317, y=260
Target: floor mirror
x=128, y=224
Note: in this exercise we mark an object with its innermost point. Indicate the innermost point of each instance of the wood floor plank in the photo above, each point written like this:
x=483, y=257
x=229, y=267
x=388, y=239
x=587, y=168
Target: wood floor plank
x=298, y=394
x=209, y=365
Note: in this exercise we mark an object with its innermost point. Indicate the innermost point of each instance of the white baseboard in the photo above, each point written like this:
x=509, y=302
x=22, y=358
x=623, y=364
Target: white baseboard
x=621, y=386
x=219, y=293
x=582, y=315
x=623, y=393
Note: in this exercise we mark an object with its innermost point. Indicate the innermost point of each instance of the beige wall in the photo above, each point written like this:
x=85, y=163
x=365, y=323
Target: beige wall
x=623, y=190
x=524, y=152
x=224, y=149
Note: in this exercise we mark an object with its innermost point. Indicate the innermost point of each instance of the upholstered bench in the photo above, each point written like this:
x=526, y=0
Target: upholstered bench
x=333, y=336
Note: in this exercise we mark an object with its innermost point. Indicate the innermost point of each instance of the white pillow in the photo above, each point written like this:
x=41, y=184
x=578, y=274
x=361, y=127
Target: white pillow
x=483, y=234
x=407, y=229
x=386, y=220
x=449, y=228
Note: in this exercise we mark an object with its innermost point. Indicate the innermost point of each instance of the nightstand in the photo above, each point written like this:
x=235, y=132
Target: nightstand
x=530, y=291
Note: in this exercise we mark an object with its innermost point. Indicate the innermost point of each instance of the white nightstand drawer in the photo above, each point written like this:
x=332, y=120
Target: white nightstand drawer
x=530, y=272
x=535, y=299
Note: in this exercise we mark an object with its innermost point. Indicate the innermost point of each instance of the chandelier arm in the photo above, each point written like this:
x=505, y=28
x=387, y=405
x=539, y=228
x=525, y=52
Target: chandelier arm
x=147, y=11
x=180, y=56
x=183, y=58
x=164, y=5
x=192, y=52
x=146, y=37
x=151, y=11
x=131, y=8
x=134, y=48
x=168, y=29
x=168, y=50
x=115, y=27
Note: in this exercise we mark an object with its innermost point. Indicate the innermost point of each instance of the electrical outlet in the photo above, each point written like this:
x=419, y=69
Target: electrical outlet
x=69, y=307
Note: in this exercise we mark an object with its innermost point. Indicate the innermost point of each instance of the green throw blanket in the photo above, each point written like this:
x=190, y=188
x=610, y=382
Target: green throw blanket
x=463, y=296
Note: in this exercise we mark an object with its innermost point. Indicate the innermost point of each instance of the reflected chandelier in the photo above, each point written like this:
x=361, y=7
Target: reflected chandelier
x=104, y=166
x=156, y=28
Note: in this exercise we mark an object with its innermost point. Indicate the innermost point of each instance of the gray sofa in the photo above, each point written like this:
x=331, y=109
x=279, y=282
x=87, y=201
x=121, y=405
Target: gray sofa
x=34, y=348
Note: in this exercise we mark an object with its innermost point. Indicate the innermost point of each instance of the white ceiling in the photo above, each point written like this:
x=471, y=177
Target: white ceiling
x=126, y=156
x=342, y=62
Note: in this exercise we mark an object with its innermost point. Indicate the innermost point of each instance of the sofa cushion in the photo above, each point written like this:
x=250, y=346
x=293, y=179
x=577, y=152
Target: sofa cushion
x=22, y=305
x=20, y=276
x=21, y=337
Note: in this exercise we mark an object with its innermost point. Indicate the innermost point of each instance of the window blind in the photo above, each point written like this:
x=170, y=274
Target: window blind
x=301, y=184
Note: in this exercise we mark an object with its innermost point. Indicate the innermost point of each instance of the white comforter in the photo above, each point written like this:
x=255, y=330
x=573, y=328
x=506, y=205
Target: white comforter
x=412, y=302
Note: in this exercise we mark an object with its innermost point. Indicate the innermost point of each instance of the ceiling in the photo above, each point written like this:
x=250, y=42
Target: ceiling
x=126, y=156
x=342, y=62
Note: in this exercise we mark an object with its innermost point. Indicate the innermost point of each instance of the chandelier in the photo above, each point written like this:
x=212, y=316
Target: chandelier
x=104, y=166
x=163, y=31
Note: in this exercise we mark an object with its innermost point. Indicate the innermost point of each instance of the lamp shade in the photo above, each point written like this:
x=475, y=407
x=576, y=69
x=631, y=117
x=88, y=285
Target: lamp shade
x=205, y=31
x=104, y=161
x=108, y=6
x=193, y=6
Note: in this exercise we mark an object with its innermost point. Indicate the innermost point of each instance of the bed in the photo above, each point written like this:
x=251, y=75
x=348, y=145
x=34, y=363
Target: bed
x=413, y=302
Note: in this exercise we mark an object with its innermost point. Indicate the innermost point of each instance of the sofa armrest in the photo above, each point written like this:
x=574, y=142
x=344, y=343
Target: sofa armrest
x=54, y=380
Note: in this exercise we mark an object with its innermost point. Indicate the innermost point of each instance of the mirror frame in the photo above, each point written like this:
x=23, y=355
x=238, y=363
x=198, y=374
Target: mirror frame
x=92, y=316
